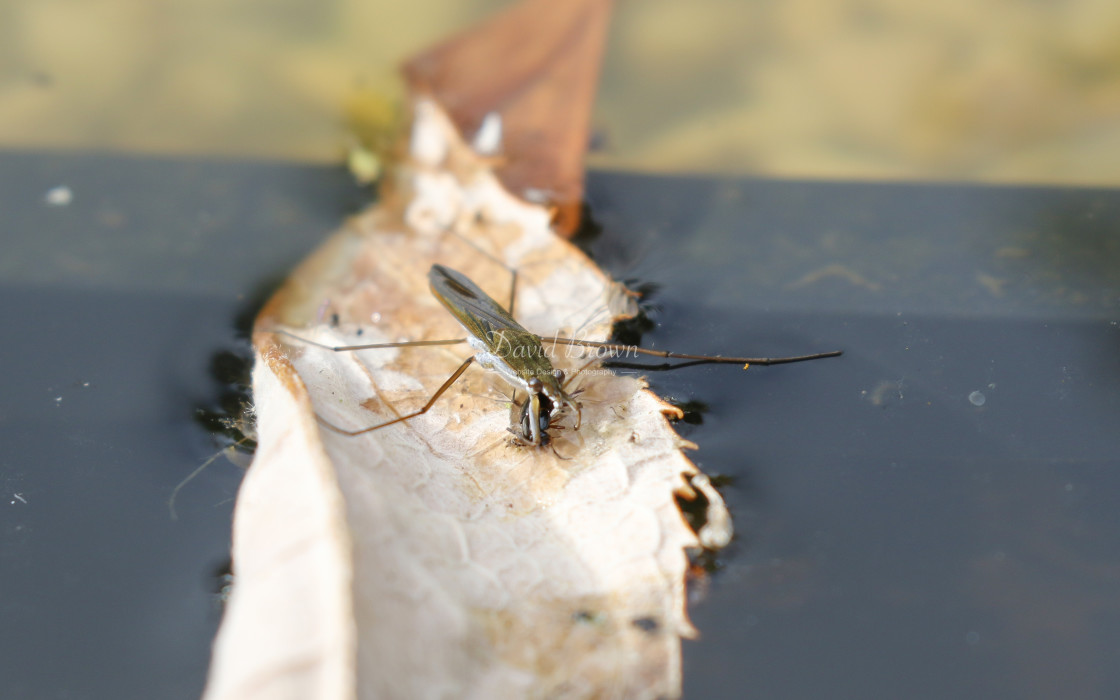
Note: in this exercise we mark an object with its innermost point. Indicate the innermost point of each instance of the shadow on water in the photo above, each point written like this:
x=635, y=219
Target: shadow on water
x=228, y=414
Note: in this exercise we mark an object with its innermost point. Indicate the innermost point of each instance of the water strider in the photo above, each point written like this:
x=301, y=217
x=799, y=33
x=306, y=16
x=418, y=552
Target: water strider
x=503, y=345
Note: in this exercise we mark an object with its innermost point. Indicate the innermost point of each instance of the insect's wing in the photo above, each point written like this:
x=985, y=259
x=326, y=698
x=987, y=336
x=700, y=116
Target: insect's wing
x=474, y=308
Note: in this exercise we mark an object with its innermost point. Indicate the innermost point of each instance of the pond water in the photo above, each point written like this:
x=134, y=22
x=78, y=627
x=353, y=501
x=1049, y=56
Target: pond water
x=934, y=514
x=117, y=310
x=931, y=515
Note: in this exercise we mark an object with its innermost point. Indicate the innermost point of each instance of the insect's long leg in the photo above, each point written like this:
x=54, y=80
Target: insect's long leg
x=198, y=470
x=439, y=392
x=576, y=392
x=368, y=346
x=615, y=347
x=663, y=367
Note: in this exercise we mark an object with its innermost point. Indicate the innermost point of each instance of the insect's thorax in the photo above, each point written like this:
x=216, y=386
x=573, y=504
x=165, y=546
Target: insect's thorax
x=517, y=356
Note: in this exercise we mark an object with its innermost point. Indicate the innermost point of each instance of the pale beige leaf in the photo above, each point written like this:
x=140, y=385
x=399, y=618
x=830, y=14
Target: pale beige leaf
x=433, y=558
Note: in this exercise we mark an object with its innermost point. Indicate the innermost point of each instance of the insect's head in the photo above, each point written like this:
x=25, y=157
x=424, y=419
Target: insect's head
x=534, y=421
x=550, y=386
x=547, y=403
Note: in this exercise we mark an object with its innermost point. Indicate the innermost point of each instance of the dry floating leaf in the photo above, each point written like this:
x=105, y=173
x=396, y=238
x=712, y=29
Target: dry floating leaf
x=433, y=558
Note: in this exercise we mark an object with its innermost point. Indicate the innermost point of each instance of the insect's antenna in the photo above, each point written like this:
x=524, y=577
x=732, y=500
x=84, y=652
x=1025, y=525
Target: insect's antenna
x=367, y=346
x=439, y=392
x=747, y=361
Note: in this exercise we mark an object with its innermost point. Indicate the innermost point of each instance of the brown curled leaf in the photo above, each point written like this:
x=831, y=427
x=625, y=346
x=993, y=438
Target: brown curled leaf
x=536, y=66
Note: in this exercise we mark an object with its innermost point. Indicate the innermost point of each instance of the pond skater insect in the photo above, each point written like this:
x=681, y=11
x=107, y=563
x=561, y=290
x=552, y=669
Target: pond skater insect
x=503, y=345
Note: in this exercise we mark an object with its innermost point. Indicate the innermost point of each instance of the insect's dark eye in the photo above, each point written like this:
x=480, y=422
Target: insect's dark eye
x=559, y=374
x=534, y=385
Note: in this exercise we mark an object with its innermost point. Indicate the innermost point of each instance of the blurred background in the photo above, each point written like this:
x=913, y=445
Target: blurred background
x=1003, y=91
